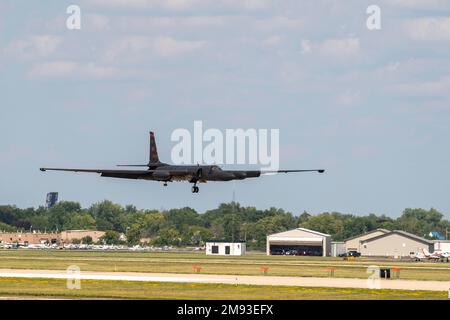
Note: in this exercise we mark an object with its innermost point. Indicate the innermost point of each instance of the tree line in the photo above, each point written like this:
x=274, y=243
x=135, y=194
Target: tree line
x=229, y=221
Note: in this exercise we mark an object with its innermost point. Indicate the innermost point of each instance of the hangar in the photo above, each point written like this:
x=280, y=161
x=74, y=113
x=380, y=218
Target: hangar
x=299, y=241
x=395, y=244
x=354, y=243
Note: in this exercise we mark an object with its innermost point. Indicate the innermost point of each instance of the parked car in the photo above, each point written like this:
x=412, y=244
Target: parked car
x=350, y=254
x=277, y=252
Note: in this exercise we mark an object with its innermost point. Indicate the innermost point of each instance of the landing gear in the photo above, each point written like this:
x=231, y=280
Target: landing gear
x=165, y=184
x=195, y=189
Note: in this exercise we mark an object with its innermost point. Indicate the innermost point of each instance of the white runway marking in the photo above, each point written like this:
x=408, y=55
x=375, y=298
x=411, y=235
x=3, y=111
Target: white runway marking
x=118, y=277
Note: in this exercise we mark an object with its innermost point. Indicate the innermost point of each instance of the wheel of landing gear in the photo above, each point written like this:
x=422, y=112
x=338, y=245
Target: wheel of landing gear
x=193, y=189
x=196, y=189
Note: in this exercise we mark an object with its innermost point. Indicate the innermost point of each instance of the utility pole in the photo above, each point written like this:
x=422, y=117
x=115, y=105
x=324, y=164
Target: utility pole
x=233, y=212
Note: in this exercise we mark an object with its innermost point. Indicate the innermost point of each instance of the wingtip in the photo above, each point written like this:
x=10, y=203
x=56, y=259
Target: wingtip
x=42, y=169
x=321, y=170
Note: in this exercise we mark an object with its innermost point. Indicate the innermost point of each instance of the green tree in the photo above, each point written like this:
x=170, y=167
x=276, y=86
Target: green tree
x=304, y=217
x=168, y=236
x=87, y=240
x=181, y=219
x=152, y=223
x=134, y=234
x=326, y=223
x=196, y=236
x=81, y=221
x=7, y=227
x=59, y=215
x=110, y=237
x=108, y=216
x=258, y=232
x=420, y=221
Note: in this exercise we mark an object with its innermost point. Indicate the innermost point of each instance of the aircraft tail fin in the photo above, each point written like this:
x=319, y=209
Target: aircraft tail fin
x=153, y=150
x=153, y=155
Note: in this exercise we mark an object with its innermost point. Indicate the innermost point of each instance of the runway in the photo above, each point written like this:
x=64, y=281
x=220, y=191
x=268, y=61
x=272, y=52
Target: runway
x=231, y=279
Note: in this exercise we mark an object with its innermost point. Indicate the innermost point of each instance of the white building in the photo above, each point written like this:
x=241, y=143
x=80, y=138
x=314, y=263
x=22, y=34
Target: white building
x=395, y=244
x=222, y=248
x=442, y=245
x=355, y=243
x=299, y=241
x=337, y=248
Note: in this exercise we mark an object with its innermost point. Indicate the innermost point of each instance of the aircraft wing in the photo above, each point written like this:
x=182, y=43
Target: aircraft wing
x=289, y=171
x=126, y=174
x=244, y=174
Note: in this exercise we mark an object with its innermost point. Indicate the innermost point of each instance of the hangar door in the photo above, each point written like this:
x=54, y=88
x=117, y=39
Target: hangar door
x=297, y=247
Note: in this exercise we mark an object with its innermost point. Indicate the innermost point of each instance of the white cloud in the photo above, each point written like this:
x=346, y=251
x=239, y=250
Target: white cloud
x=428, y=29
x=348, y=98
x=427, y=88
x=70, y=69
x=34, y=46
x=96, y=22
x=419, y=4
x=142, y=24
x=119, y=4
x=306, y=46
x=179, y=5
x=166, y=46
x=272, y=41
x=204, y=22
x=129, y=46
x=277, y=22
x=340, y=48
x=139, y=47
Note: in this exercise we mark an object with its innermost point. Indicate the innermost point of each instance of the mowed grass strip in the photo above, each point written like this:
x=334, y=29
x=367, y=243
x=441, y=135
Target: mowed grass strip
x=56, y=288
x=250, y=258
x=182, y=263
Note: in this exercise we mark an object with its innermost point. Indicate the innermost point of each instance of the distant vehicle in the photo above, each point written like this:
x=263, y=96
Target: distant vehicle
x=11, y=246
x=163, y=172
x=445, y=256
x=277, y=252
x=37, y=246
x=350, y=254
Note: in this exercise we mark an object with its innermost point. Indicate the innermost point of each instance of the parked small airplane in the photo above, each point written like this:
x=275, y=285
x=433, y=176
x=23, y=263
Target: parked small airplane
x=437, y=255
x=159, y=171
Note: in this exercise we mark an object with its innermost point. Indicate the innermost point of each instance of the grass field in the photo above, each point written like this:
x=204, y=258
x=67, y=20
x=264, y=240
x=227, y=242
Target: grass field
x=183, y=262
x=51, y=288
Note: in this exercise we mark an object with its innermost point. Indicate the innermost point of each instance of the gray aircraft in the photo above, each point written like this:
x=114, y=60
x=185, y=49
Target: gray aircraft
x=163, y=172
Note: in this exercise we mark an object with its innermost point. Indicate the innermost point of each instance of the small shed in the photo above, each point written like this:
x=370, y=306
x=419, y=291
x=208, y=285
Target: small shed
x=225, y=248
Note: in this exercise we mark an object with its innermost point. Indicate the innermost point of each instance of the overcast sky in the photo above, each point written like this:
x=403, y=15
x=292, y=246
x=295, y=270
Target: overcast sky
x=371, y=107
